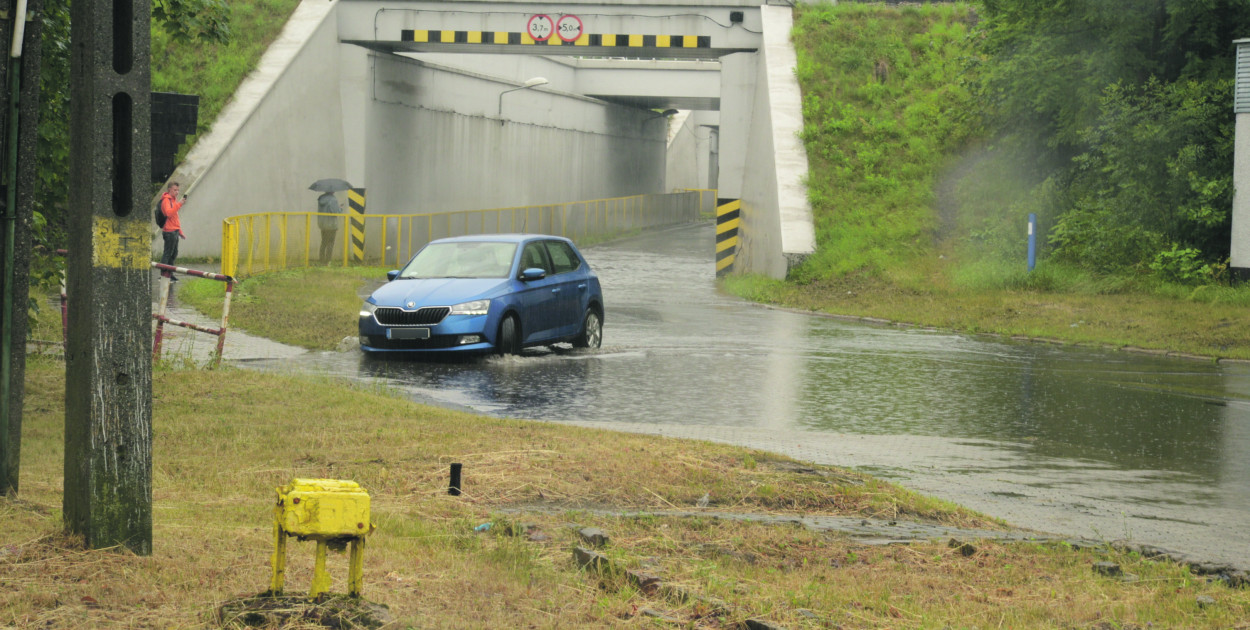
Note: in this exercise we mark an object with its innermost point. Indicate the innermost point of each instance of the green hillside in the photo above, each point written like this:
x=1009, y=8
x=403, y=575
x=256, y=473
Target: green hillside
x=929, y=143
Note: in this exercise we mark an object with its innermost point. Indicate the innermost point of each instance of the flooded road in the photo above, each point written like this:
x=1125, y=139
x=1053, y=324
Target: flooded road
x=1077, y=442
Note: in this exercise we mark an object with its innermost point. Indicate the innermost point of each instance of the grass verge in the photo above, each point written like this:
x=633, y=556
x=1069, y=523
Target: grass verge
x=224, y=439
x=1121, y=320
x=313, y=308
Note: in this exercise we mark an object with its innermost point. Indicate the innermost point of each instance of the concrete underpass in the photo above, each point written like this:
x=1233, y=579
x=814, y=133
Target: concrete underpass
x=438, y=107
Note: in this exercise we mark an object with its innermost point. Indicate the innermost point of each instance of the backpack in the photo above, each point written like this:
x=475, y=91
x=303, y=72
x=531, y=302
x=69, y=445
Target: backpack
x=160, y=216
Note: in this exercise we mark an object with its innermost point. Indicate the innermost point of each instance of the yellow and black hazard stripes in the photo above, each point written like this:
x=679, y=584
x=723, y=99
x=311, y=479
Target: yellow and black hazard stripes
x=587, y=39
x=356, y=216
x=727, y=221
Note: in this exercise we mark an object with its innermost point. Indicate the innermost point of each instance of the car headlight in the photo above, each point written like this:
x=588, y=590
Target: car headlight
x=476, y=307
x=368, y=309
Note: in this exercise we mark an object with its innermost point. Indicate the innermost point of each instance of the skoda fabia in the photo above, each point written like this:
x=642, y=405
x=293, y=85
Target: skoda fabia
x=486, y=293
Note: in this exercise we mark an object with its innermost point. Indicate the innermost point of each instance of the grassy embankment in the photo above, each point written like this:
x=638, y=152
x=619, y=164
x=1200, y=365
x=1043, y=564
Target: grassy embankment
x=916, y=214
x=214, y=70
x=225, y=439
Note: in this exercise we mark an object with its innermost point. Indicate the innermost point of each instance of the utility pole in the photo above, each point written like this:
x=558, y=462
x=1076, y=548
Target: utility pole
x=108, y=384
x=19, y=117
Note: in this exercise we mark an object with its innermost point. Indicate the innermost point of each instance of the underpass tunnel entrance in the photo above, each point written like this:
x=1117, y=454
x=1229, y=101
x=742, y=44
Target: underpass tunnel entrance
x=487, y=105
x=437, y=107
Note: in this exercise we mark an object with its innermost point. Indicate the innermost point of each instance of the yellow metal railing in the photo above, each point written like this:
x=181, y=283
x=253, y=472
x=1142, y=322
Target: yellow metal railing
x=707, y=199
x=270, y=241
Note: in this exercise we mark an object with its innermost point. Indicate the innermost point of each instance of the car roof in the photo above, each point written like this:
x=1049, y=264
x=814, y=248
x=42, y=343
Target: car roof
x=499, y=238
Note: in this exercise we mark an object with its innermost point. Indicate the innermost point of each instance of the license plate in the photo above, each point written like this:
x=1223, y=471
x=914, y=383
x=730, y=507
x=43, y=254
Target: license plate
x=408, y=333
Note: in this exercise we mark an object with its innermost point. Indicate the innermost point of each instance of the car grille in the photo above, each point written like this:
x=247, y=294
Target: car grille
x=439, y=342
x=391, y=316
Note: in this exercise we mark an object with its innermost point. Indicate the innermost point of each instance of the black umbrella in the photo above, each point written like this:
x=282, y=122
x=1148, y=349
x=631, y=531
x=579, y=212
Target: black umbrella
x=330, y=184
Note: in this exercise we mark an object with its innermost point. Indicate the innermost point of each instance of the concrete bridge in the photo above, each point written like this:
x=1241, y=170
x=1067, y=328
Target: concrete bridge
x=444, y=106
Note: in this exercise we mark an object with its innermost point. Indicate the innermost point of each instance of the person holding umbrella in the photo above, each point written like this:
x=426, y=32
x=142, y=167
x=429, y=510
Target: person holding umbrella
x=328, y=205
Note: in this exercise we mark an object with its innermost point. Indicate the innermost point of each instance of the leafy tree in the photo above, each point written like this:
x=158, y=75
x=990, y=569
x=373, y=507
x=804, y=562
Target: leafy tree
x=1127, y=106
x=205, y=20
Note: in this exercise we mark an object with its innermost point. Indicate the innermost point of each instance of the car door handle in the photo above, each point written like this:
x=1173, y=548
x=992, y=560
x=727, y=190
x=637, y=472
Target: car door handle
x=581, y=287
x=556, y=290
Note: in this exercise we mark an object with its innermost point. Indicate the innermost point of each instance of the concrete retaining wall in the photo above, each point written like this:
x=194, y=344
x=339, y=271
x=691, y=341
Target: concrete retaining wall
x=253, y=159
x=777, y=231
x=439, y=140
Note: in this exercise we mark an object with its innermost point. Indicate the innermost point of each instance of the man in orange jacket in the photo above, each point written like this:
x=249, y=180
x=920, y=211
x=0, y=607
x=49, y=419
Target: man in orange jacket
x=172, y=231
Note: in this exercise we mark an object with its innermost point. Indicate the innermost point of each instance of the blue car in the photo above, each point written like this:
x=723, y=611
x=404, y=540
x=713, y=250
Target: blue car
x=486, y=293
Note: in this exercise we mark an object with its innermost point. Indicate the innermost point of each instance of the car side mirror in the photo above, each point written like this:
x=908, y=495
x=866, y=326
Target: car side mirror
x=533, y=273
x=392, y=274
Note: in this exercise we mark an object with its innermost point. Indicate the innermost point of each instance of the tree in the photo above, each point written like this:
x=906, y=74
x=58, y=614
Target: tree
x=1127, y=106
x=204, y=20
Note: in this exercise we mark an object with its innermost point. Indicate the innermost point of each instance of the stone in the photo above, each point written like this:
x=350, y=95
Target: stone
x=593, y=536
x=965, y=549
x=1204, y=601
x=645, y=582
x=592, y=560
x=1109, y=569
x=759, y=624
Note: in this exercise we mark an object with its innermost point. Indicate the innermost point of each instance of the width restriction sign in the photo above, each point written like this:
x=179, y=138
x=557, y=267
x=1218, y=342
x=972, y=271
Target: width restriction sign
x=540, y=27
x=569, y=28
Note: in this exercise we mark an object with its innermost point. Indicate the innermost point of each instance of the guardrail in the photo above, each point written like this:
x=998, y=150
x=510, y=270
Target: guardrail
x=707, y=199
x=162, y=319
x=270, y=241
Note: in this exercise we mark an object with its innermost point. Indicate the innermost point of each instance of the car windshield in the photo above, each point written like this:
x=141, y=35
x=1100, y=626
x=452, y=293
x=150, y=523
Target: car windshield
x=463, y=259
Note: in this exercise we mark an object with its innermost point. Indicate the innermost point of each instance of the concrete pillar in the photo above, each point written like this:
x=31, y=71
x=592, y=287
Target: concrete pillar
x=1239, y=250
x=737, y=100
x=108, y=390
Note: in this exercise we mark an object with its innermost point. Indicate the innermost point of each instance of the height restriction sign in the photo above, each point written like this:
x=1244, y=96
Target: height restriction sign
x=540, y=27
x=569, y=27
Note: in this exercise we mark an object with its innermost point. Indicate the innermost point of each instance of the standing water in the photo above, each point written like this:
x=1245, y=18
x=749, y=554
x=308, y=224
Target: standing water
x=1077, y=442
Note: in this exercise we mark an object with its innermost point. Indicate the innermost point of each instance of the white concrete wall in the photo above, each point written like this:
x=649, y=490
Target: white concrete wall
x=253, y=160
x=419, y=137
x=738, y=92
x=437, y=141
x=776, y=231
x=1239, y=247
x=682, y=169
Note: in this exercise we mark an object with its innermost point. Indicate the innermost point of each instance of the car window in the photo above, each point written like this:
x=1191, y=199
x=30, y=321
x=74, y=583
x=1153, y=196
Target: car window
x=563, y=258
x=534, y=256
x=468, y=259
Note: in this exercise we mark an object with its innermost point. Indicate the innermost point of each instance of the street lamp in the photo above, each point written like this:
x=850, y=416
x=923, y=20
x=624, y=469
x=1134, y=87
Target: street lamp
x=534, y=82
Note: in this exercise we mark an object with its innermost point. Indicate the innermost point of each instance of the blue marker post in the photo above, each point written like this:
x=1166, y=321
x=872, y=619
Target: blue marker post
x=1032, y=240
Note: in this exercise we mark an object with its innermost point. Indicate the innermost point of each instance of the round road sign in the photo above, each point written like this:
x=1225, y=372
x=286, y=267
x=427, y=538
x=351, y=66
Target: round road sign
x=540, y=27
x=569, y=28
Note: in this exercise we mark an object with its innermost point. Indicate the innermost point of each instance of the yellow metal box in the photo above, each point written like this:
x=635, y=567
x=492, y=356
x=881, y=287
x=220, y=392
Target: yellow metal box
x=323, y=508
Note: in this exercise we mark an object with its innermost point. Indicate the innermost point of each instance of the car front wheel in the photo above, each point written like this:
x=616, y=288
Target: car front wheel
x=592, y=331
x=509, y=341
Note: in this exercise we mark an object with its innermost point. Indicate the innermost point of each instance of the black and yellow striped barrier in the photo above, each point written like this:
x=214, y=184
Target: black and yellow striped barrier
x=587, y=39
x=356, y=214
x=727, y=221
